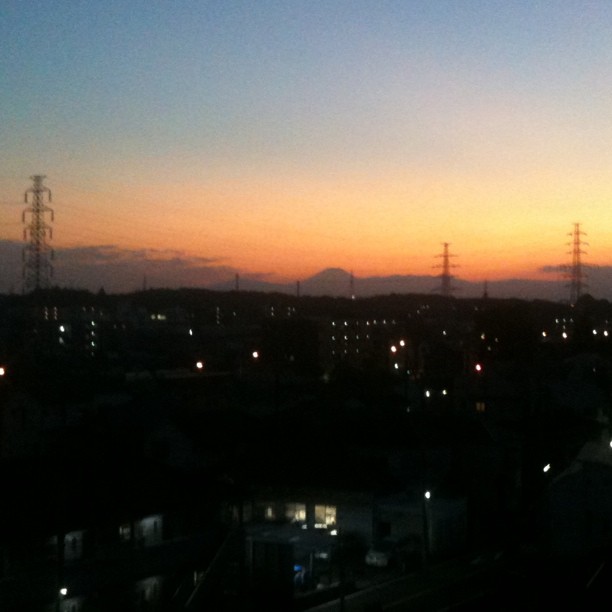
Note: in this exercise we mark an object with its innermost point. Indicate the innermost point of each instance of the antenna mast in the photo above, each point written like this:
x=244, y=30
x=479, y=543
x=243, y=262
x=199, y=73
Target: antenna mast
x=37, y=254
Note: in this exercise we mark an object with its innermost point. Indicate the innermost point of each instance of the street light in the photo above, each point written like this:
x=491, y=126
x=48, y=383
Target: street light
x=426, y=542
x=63, y=591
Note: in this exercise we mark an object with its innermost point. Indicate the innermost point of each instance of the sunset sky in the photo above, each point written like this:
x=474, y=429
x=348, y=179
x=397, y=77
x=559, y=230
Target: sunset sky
x=275, y=138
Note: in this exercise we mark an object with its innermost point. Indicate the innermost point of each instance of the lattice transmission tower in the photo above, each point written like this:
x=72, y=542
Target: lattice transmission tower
x=446, y=284
x=576, y=271
x=37, y=254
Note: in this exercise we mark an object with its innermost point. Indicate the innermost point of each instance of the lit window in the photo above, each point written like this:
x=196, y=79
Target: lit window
x=296, y=513
x=480, y=407
x=269, y=513
x=324, y=516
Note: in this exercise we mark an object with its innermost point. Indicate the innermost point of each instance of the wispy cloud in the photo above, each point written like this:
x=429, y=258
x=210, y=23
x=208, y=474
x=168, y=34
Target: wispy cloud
x=117, y=269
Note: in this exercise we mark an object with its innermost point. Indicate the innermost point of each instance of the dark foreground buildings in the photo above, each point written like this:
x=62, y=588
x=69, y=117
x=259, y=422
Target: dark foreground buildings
x=193, y=450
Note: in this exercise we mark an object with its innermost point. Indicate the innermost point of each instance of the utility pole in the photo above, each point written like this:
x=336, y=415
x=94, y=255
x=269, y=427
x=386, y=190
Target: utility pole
x=446, y=288
x=577, y=274
x=37, y=255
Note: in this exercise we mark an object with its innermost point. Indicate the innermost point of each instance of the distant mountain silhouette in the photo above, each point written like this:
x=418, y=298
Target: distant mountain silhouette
x=331, y=281
x=336, y=282
x=122, y=270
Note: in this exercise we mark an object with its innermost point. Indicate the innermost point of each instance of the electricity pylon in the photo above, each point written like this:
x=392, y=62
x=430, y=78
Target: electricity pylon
x=37, y=254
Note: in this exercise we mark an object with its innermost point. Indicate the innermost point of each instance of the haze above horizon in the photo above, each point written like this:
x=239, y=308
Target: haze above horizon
x=273, y=139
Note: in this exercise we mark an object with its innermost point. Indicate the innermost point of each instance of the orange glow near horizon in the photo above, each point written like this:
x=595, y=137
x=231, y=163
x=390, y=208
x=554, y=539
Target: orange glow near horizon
x=291, y=227
x=279, y=139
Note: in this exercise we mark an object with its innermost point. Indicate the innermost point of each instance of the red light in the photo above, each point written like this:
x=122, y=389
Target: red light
x=478, y=367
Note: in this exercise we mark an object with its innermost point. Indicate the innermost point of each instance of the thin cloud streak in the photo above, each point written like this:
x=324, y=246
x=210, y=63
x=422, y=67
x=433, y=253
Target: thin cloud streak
x=116, y=269
x=123, y=270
